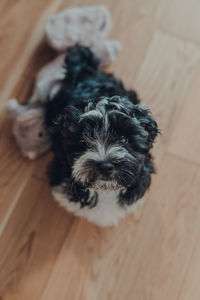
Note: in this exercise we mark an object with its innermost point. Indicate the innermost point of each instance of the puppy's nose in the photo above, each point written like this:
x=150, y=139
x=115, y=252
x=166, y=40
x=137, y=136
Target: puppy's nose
x=106, y=168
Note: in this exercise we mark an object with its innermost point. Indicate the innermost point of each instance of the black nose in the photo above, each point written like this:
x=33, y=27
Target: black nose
x=106, y=168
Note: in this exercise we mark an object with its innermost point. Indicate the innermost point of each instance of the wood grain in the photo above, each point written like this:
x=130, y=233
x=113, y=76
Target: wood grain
x=180, y=17
x=17, y=48
x=45, y=252
x=35, y=234
x=12, y=163
x=185, y=140
x=168, y=63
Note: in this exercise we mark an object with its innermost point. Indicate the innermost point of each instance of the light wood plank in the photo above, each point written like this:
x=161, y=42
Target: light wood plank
x=190, y=287
x=31, y=241
x=15, y=170
x=163, y=80
x=185, y=140
x=135, y=43
x=180, y=17
x=24, y=38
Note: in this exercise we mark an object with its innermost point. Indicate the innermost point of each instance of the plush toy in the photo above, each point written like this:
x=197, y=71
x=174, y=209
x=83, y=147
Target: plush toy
x=88, y=26
x=29, y=128
x=48, y=80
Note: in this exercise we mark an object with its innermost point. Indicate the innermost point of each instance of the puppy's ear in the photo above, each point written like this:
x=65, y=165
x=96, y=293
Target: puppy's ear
x=71, y=114
x=62, y=123
x=144, y=117
x=71, y=118
x=125, y=124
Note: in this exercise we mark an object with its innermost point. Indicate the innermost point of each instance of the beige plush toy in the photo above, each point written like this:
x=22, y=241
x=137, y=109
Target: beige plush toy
x=29, y=128
x=88, y=26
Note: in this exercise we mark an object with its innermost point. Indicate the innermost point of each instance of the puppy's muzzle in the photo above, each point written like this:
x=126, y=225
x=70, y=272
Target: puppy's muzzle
x=105, y=168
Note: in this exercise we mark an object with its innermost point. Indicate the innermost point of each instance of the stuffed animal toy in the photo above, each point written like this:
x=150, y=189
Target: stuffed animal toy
x=48, y=80
x=29, y=128
x=88, y=26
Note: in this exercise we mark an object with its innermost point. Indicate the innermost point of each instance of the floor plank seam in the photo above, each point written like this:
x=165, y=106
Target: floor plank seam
x=179, y=157
x=12, y=208
x=35, y=37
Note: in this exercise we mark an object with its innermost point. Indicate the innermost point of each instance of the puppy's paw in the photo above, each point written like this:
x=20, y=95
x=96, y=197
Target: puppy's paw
x=91, y=201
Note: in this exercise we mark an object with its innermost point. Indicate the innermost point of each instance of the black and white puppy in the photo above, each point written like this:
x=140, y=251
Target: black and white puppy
x=101, y=139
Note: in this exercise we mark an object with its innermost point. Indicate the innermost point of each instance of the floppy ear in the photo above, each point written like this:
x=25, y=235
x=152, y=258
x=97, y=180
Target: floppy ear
x=70, y=131
x=143, y=115
x=71, y=118
x=125, y=124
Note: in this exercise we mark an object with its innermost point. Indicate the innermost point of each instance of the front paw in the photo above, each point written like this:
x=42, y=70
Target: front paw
x=83, y=195
x=126, y=197
x=91, y=201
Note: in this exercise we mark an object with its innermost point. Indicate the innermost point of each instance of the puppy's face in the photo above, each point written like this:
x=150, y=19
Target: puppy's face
x=107, y=144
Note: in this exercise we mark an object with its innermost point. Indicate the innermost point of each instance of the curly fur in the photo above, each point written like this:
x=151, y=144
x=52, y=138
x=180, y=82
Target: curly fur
x=101, y=136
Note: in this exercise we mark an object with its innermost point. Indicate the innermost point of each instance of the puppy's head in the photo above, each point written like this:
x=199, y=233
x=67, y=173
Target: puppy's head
x=106, y=145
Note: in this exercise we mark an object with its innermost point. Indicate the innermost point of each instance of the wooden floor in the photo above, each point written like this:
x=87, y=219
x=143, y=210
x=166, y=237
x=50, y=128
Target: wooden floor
x=45, y=252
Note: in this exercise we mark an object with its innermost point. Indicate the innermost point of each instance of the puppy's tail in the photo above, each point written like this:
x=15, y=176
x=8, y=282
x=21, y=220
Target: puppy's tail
x=80, y=62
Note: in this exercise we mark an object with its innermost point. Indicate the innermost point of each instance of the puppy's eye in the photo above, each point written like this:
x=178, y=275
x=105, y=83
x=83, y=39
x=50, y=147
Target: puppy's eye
x=123, y=140
x=40, y=134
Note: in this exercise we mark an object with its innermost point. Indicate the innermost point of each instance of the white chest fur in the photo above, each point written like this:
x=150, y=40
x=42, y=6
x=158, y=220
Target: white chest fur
x=107, y=212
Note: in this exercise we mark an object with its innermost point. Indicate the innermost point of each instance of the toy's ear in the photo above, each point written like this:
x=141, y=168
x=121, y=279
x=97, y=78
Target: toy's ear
x=101, y=17
x=62, y=124
x=28, y=118
x=71, y=119
x=146, y=120
x=13, y=108
x=23, y=119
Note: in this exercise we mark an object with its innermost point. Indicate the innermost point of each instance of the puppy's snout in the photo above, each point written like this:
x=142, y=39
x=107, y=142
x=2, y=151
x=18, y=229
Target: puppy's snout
x=106, y=168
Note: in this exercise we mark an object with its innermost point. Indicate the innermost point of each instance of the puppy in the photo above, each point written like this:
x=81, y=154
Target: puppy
x=101, y=140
